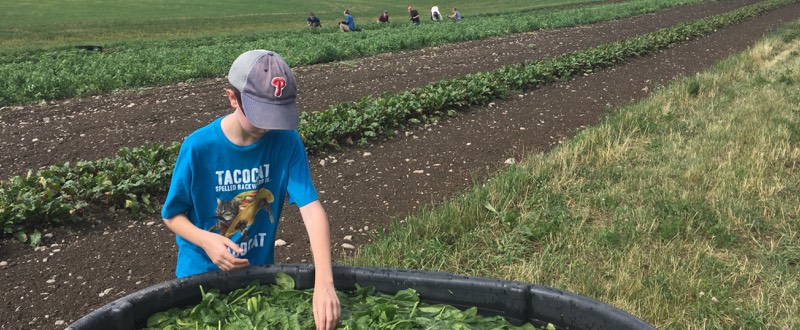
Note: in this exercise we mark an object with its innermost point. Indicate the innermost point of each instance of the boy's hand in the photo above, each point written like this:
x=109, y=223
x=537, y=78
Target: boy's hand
x=326, y=307
x=216, y=247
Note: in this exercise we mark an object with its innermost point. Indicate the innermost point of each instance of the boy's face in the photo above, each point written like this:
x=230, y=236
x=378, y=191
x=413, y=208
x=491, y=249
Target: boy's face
x=247, y=127
x=241, y=118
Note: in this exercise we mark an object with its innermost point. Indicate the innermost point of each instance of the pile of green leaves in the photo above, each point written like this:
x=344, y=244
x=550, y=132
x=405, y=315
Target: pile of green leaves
x=280, y=306
x=59, y=193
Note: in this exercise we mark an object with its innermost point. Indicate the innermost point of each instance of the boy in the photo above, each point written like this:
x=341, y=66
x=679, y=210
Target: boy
x=232, y=176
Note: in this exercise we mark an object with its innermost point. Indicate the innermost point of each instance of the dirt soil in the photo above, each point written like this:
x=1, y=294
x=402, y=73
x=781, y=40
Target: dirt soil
x=82, y=267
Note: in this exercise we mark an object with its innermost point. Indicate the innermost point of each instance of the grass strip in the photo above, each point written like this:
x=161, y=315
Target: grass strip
x=61, y=74
x=61, y=193
x=680, y=209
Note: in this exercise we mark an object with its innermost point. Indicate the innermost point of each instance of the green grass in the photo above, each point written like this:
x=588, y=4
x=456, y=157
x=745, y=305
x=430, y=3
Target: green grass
x=681, y=209
x=28, y=24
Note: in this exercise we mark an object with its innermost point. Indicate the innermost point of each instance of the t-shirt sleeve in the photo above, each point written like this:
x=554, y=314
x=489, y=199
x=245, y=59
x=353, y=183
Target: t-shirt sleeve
x=300, y=187
x=179, y=197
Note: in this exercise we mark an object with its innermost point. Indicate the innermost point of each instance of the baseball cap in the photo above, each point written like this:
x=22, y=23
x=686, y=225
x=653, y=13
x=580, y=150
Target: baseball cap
x=268, y=88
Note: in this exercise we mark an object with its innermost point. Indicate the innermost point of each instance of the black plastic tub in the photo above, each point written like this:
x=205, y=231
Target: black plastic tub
x=517, y=302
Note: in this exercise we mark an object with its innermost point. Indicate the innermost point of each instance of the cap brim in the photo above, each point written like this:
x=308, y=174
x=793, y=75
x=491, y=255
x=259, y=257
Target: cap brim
x=269, y=115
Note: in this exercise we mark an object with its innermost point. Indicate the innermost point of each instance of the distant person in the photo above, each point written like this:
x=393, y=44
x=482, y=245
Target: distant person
x=348, y=25
x=414, y=15
x=456, y=16
x=313, y=21
x=435, y=14
x=384, y=18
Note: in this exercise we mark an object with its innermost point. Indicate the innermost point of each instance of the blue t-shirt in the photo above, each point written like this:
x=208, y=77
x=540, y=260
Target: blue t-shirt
x=236, y=191
x=348, y=19
x=312, y=20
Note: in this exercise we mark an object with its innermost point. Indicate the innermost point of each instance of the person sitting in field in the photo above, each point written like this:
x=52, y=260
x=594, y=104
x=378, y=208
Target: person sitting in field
x=348, y=25
x=435, y=14
x=414, y=15
x=384, y=18
x=313, y=21
x=456, y=16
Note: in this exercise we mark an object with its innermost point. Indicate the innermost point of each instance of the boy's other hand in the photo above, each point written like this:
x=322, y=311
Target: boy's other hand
x=216, y=247
x=326, y=307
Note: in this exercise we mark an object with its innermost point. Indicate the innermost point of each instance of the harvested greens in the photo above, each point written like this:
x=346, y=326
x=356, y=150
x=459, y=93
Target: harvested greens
x=280, y=306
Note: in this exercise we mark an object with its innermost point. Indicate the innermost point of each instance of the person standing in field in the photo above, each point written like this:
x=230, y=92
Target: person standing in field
x=233, y=176
x=435, y=14
x=313, y=21
x=384, y=18
x=414, y=15
x=348, y=25
x=456, y=16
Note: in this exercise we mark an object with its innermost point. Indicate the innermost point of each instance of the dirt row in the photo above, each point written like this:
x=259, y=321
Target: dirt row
x=83, y=267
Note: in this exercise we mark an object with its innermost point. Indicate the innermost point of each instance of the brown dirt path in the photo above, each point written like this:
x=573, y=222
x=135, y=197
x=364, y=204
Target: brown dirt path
x=82, y=268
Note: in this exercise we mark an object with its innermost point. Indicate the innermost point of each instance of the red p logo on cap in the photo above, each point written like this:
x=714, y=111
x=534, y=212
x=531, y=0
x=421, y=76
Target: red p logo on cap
x=279, y=84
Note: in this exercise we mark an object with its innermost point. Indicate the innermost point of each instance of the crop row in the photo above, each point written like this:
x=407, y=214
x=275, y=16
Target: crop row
x=62, y=193
x=59, y=74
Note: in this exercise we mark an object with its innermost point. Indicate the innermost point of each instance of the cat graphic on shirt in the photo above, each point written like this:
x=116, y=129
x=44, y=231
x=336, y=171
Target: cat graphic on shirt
x=239, y=213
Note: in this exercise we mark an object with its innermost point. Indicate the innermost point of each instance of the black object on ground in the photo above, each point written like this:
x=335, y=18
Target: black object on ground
x=90, y=48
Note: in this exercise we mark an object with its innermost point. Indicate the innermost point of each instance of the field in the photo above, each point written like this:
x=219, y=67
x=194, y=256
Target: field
x=43, y=24
x=33, y=76
x=662, y=184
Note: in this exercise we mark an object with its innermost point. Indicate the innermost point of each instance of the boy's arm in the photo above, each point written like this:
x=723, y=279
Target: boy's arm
x=215, y=245
x=326, y=304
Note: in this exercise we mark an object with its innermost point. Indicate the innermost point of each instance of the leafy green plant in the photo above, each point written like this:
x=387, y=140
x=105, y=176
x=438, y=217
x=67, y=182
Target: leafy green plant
x=61, y=193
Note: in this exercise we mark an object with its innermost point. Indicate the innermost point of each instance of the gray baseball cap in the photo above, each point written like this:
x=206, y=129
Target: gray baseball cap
x=268, y=89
